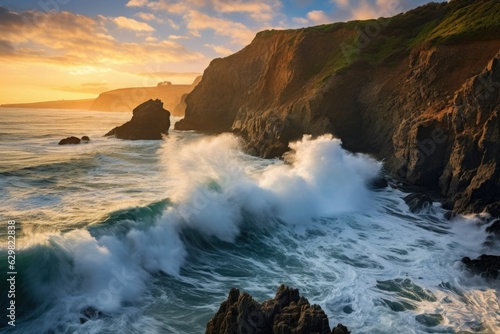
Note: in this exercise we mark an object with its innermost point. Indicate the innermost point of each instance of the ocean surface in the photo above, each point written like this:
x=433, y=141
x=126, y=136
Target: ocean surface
x=153, y=234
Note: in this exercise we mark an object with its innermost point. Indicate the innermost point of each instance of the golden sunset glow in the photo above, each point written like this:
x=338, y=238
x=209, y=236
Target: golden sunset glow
x=57, y=49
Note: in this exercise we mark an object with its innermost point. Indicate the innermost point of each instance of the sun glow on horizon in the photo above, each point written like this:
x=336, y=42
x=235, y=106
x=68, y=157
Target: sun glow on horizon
x=76, y=50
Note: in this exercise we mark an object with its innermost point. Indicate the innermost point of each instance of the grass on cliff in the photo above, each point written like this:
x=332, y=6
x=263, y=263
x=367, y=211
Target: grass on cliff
x=388, y=40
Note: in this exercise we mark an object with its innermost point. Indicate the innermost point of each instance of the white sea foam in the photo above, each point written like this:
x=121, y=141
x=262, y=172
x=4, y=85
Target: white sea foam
x=310, y=222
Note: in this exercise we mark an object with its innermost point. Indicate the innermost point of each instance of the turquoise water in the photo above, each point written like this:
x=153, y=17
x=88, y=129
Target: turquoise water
x=154, y=234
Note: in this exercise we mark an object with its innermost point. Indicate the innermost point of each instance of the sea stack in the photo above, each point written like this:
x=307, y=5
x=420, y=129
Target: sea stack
x=150, y=121
x=287, y=312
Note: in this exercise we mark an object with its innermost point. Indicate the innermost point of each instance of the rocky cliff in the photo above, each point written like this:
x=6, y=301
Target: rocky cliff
x=126, y=99
x=149, y=122
x=419, y=90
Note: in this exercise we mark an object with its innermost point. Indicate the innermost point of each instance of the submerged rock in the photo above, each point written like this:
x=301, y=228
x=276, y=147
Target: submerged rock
x=487, y=266
x=286, y=313
x=494, y=228
x=70, y=141
x=418, y=201
x=149, y=122
x=89, y=313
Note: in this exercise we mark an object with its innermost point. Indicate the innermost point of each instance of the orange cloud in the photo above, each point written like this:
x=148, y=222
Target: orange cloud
x=238, y=32
x=136, y=3
x=131, y=24
x=148, y=17
x=72, y=39
x=318, y=17
x=220, y=49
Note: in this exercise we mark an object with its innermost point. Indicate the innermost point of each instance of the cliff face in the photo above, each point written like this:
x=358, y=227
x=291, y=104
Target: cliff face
x=419, y=90
x=126, y=99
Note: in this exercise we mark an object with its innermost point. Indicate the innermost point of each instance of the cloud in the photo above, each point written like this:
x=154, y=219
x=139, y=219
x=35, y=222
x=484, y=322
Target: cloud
x=148, y=17
x=318, y=17
x=136, y=3
x=369, y=9
x=177, y=37
x=220, y=49
x=238, y=32
x=341, y=3
x=301, y=20
x=172, y=24
x=6, y=48
x=131, y=24
x=258, y=10
x=76, y=40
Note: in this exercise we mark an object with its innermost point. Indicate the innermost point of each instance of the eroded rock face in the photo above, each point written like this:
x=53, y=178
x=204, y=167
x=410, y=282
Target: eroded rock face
x=430, y=113
x=286, y=313
x=149, y=122
x=487, y=266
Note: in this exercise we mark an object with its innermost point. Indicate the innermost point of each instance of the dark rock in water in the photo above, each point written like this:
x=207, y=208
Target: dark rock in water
x=418, y=201
x=89, y=313
x=429, y=320
x=378, y=183
x=494, y=228
x=340, y=329
x=85, y=139
x=149, y=122
x=487, y=266
x=70, y=141
x=286, y=313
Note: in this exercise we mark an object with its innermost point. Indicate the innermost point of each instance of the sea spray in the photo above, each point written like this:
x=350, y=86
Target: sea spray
x=213, y=192
x=147, y=266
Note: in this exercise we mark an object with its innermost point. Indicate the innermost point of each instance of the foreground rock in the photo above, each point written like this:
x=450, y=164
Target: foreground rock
x=286, y=313
x=487, y=266
x=149, y=122
x=430, y=112
x=70, y=141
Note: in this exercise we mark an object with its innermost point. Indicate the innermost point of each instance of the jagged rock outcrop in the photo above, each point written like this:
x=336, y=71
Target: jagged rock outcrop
x=487, y=266
x=286, y=313
x=414, y=90
x=149, y=122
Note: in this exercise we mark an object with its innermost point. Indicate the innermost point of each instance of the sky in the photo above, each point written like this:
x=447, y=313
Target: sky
x=76, y=49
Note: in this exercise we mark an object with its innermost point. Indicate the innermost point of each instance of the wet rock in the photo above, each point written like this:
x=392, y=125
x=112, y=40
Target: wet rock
x=487, y=266
x=85, y=139
x=286, y=313
x=340, y=329
x=429, y=320
x=378, y=183
x=89, y=313
x=494, y=228
x=269, y=94
x=149, y=122
x=70, y=141
x=418, y=201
